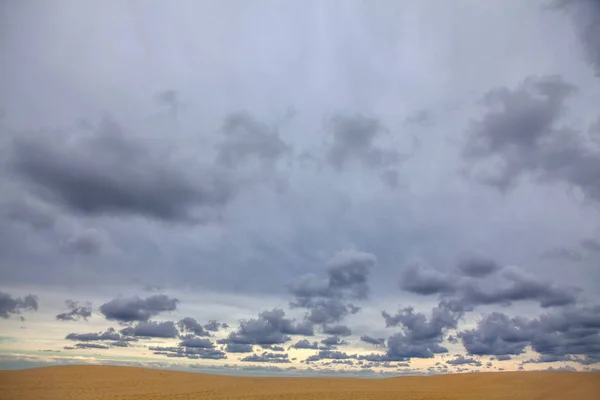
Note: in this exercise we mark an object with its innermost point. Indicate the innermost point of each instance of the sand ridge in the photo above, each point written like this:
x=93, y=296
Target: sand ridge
x=110, y=382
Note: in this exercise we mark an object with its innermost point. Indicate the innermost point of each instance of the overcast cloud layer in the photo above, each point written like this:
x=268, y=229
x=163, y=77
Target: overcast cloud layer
x=301, y=187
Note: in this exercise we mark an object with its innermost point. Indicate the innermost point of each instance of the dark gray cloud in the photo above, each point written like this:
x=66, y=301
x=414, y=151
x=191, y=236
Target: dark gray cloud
x=591, y=245
x=485, y=283
x=328, y=300
x=200, y=343
x=333, y=341
x=76, y=311
x=188, y=352
x=238, y=347
x=266, y=357
x=166, y=329
x=477, y=267
x=586, y=18
x=421, y=337
x=16, y=305
x=373, y=340
x=123, y=178
x=190, y=325
x=354, y=139
x=88, y=242
x=129, y=309
x=109, y=334
x=88, y=346
x=556, y=334
x=330, y=355
x=215, y=326
x=271, y=327
x=246, y=138
x=521, y=136
x=562, y=253
x=305, y=344
x=421, y=279
x=462, y=360
x=338, y=330
x=170, y=99
x=497, y=334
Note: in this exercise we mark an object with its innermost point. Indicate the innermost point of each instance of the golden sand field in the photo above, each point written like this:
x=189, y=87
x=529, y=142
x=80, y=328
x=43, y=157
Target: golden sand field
x=106, y=382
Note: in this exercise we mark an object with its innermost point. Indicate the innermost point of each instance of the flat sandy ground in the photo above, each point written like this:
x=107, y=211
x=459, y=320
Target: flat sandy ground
x=104, y=382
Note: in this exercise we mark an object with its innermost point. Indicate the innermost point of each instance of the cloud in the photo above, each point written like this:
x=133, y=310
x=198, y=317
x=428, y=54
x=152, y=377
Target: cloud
x=562, y=253
x=109, y=334
x=586, y=18
x=373, y=341
x=15, y=306
x=559, y=333
x=272, y=347
x=330, y=355
x=267, y=358
x=188, y=352
x=328, y=300
x=245, y=137
x=519, y=136
x=239, y=348
x=477, y=267
x=129, y=309
x=354, y=140
x=215, y=326
x=305, y=344
x=170, y=99
x=88, y=346
x=421, y=279
x=483, y=282
x=88, y=242
x=76, y=311
x=190, y=325
x=271, y=327
x=192, y=341
x=339, y=330
x=421, y=337
x=591, y=245
x=462, y=360
x=123, y=178
x=166, y=329
x=333, y=341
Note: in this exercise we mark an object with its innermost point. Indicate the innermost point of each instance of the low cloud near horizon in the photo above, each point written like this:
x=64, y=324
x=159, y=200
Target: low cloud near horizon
x=301, y=187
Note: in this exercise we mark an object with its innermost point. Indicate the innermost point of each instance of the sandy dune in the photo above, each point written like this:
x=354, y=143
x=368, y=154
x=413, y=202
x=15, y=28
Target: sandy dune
x=103, y=382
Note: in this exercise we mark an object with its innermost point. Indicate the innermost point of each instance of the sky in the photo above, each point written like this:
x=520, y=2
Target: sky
x=301, y=187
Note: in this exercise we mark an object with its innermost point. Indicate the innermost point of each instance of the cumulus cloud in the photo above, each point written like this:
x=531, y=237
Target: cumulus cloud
x=271, y=327
x=586, y=18
x=190, y=325
x=520, y=136
x=76, y=311
x=123, y=178
x=166, y=329
x=373, y=340
x=238, y=347
x=305, y=344
x=591, y=245
x=421, y=336
x=462, y=360
x=16, y=305
x=109, y=334
x=482, y=282
x=188, y=352
x=129, y=309
x=328, y=300
x=554, y=335
x=354, y=140
x=266, y=357
x=246, y=138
